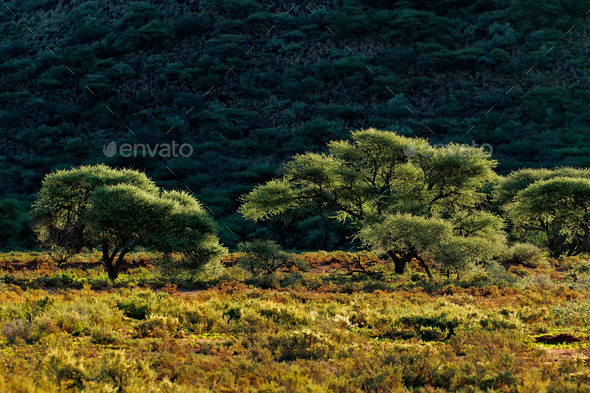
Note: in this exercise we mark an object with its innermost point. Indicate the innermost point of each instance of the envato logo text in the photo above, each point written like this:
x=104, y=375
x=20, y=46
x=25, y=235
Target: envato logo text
x=460, y=150
x=146, y=150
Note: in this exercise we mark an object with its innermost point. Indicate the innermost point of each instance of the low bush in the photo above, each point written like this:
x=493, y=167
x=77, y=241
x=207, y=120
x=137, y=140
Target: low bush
x=303, y=344
x=525, y=254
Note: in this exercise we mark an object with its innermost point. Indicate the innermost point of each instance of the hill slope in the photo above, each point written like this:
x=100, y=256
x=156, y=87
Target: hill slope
x=248, y=84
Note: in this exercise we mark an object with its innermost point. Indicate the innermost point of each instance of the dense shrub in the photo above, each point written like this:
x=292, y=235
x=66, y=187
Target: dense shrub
x=525, y=254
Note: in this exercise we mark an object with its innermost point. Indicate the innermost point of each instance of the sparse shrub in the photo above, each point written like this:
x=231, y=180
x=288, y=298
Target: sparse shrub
x=539, y=281
x=284, y=316
x=264, y=257
x=117, y=369
x=232, y=314
x=72, y=318
x=18, y=331
x=267, y=281
x=428, y=328
x=102, y=335
x=135, y=307
x=304, y=344
x=493, y=273
x=200, y=319
x=158, y=326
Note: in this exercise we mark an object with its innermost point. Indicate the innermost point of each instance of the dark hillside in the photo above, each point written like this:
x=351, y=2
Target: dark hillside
x=248, y=84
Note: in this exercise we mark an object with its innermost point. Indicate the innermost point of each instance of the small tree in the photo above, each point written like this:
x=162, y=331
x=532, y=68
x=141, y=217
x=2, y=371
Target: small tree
x=362, y=180
x=430, y=241
x=458, y=254
x=508, y=187
x=64, y=200
x=264, y=257
x=123, y=216
x=404, y=237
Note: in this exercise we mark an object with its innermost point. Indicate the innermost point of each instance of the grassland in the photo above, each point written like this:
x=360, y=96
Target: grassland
x=319, y=330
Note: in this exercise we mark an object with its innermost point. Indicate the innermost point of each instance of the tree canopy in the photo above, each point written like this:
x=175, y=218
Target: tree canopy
x=547, y=207
x=374, y=173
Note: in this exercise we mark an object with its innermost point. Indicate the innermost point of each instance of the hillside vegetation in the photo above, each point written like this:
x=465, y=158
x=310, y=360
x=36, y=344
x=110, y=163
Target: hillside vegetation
x=248, y=84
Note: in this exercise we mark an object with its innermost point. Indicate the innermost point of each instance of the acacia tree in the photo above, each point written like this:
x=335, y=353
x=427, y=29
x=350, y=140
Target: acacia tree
x=122, y=218
x=374, y=174
x=405, y=237
x=525, y=218
x=428, y=240
x=558, y=208
x=64, y=200
x=119, y=218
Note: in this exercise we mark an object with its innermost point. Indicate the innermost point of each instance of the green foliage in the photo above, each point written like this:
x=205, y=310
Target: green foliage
x=507, y=187
x=138, y=14
x=304, y=344
x=14, y=224
x=240, y=8
x=379, y=172
x=286, y=94
x=428, y=240
x=155, y=32
x=189, y=231
x=64, y=200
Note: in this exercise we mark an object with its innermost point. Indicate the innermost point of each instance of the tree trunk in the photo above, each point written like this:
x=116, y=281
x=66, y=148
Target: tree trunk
x=400, y=263
x=107, y=260
x=112, y=271
x=424, y=266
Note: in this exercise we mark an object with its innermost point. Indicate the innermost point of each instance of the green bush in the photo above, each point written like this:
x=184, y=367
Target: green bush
x=158, y=326
x=434, y=328
x=135, y=307
x=525, y=254
x=139, y=14
x=155, y=33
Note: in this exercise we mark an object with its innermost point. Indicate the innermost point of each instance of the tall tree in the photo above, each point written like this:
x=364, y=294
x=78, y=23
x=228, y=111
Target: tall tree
x=377, y=173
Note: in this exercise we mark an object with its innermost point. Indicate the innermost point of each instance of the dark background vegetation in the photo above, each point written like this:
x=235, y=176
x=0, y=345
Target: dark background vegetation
x=439, y=70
